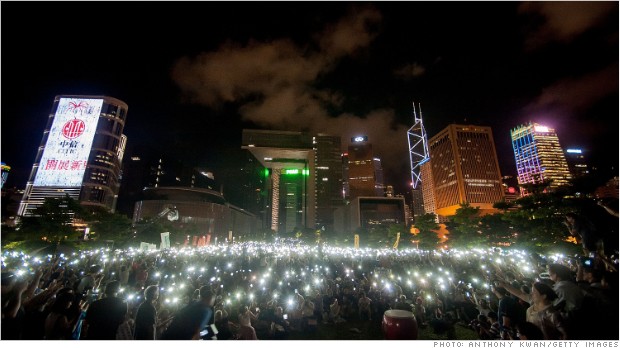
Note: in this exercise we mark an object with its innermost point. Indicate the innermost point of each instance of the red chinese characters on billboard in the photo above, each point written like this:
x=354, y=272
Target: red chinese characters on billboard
x=70, y=139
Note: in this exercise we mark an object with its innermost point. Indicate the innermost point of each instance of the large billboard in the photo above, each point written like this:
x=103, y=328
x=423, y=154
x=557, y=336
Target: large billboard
x=68, y=146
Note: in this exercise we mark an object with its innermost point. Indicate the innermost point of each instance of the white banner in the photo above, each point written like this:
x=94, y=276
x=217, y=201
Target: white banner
x=165, y=240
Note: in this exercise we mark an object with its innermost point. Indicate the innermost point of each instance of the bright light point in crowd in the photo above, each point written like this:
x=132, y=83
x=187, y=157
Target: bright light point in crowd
x=237, y=295
x=175, y=300
x=130, y=297
x=290, y=302
x=181, y=286
x=428, y=297
x=121, y=289
x=251, y=296
x=167, y=300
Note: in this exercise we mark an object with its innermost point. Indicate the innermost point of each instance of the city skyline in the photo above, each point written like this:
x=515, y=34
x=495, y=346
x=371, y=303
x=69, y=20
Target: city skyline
x=195, y=74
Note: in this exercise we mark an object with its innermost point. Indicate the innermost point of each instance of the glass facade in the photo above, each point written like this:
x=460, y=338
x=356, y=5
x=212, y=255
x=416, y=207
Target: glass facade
x=539, y=156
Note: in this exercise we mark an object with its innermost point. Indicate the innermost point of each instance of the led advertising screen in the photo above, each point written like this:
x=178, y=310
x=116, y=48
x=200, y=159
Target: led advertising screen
x=68, y=146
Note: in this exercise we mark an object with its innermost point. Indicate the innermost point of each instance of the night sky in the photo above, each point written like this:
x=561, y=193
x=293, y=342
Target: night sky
x=195, y=73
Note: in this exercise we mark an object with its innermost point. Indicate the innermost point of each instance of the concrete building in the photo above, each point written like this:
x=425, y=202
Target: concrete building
x=465, y=169
x=204, y=212
x=288, y=158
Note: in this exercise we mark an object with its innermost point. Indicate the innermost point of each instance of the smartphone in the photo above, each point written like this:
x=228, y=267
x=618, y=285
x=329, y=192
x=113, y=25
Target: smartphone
x=587, y=262
x=295, y=290
x=285, y=316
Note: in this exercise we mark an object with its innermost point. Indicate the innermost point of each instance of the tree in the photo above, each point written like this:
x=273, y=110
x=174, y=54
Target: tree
x=53, y=220
x=496, y=229
x=464, y=227
x=426, y=238
x=110, y=226
x=537, y=223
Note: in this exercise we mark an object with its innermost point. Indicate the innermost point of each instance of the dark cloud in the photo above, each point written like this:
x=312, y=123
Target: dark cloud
x=410, y=71
x=563, y=20
x=281, y=76
x=571, y=95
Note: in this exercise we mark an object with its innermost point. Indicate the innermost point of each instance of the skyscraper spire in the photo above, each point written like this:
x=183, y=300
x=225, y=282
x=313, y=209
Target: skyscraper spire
x=418, y=147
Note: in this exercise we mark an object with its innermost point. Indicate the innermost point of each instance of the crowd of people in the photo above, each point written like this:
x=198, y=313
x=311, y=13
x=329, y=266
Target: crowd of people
x=234, y=291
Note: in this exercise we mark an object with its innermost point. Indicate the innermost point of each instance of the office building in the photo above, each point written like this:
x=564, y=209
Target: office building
x=5, y=173
x=197, y=212
x=146, y=168
x=289, y=162
x=577, y=163
x=80, y=155
x=364, y=170
x=539, y=156
x=328, y=178
x=465, y=169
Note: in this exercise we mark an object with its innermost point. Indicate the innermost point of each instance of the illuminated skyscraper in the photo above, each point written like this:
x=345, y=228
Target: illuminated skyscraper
x=418, y=155
x=80, y=154
x=538, y=155
x=465, y=169
x=288, y=159
x=5, y=173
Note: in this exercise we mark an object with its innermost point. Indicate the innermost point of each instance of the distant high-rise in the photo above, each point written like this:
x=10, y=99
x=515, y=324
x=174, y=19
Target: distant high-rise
x=365, y=174
x=465, y=169
x=577, y=163
x=146, y=168
x=539, y=156
x=5, y=173
x=80, y=154
x=328, y=178
x=288, y=159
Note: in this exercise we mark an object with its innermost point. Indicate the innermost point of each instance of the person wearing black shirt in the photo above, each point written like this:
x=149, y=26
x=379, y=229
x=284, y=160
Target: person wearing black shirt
x=146, y=315
x=104, y=316
x=191, y=319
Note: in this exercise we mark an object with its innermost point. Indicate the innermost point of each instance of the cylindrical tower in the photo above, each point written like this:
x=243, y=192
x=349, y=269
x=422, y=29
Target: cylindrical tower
x=80, y=154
